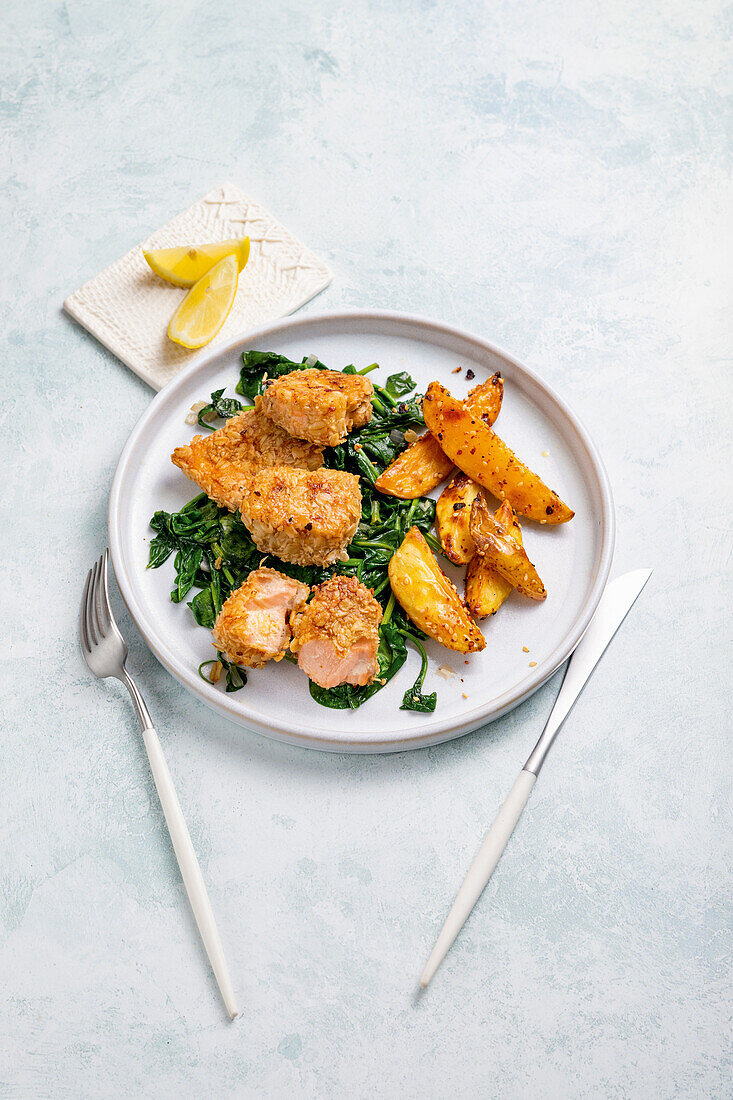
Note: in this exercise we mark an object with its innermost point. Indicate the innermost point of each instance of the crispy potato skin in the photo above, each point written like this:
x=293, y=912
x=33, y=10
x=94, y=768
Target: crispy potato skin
x=424, y=464
x=484, y=400
x=485, y=458
x=429, y=598
x=452, y=519
x=495, y=540
x=486, y=589
x=416, y=471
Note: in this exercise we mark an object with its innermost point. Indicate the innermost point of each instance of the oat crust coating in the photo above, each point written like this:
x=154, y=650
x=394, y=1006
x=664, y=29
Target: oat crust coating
x=342, y=611
x=307, y=517
x=322, y=406
x=214, y=461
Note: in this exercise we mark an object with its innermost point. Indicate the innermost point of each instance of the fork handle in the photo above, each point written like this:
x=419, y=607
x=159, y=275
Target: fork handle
x=190, y=870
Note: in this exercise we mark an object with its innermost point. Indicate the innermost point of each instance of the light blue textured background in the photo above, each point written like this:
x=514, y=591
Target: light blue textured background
x=554, y=176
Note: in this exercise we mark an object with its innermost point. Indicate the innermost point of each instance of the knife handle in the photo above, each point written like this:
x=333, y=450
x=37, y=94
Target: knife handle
x=481, y=870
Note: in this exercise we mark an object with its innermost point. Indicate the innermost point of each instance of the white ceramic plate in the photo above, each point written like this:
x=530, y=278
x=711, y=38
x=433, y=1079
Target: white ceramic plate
x=573, y=559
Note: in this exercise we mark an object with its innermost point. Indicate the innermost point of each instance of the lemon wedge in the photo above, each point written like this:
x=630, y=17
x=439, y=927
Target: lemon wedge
x=184, y=266
x=206, y=306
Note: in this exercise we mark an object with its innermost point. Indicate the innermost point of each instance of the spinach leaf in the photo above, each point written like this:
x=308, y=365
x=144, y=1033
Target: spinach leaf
x=164, y=543
x=235, y=542
x=204, y=609
x=187, y=561
x=236, y=676
x=397, y=385
x=361, y=460
x=161, y=549
x=380, y=447
x=407, y=414
x=222, y=407
x=256, y=365
x=225, y=407
x=413, y=698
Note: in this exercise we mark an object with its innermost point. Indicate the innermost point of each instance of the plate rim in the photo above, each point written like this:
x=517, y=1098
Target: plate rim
x=292, y=732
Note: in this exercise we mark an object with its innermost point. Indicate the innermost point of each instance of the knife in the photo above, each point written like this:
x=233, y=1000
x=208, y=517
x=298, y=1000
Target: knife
x=613, y=607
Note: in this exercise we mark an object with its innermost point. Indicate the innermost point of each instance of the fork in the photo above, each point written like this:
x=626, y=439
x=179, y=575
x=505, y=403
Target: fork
x=105, y=652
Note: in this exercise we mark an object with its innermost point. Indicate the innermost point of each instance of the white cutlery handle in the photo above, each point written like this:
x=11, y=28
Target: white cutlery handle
x=480, y=870
x=190, y=870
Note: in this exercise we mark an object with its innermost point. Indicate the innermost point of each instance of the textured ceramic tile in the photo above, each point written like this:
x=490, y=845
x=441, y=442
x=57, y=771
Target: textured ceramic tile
x=128, y=308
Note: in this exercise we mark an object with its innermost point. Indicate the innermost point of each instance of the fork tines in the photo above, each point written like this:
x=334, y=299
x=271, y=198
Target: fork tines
x=95, y=616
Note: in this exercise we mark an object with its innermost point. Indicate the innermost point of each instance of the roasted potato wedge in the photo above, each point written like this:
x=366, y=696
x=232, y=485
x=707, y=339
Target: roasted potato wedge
x=420, y=467
x=423, y=464
x=485, y=458
x=496, y=542
x=429, y=598
x=486, y=589
x=452, y=518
